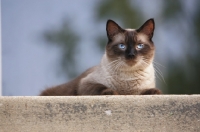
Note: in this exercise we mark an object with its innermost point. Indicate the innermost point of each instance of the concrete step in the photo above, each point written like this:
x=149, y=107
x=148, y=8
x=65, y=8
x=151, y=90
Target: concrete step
x=151, y=113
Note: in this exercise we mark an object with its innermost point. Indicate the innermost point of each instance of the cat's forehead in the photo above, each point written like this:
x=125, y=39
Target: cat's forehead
x=121, y=37
x=138, y=36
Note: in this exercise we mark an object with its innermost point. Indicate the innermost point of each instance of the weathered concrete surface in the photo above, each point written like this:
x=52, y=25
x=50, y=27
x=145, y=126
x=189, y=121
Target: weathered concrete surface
x=159, y=113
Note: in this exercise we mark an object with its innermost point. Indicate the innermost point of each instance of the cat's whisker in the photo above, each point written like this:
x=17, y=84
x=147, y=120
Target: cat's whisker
x=157, y=76
x=112, y=64
x=157, y=68
x=156, y=63
x=145, y=61
x=116, y=68
x=120, y=66
x=159, y=73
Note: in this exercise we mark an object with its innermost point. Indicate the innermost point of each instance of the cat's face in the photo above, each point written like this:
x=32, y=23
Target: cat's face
x=132, y=47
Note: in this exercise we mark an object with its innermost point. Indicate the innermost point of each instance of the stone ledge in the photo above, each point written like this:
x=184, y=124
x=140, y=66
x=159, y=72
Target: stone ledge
x=157, y=113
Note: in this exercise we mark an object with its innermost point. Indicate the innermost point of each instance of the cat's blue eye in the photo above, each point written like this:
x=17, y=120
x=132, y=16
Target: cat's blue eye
x=122, y=46
x=140, y=46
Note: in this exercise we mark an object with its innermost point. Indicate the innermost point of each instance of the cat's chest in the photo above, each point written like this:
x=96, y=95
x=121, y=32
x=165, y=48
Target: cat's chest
x=130, y=81
x=124, y=83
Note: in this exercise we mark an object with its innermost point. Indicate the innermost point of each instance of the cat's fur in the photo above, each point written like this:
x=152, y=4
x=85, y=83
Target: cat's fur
x=127, y=71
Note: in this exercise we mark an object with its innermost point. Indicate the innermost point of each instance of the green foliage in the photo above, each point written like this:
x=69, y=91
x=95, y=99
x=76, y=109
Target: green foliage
x=66, y=39
x=180, y=81
x=122, y=10
x=183, y=77
x=172, y=9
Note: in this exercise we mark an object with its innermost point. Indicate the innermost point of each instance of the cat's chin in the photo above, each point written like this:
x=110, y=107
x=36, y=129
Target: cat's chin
x=131, y=62
x=135, y=65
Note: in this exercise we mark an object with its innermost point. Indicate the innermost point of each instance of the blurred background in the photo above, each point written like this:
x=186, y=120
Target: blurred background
x=49, y=42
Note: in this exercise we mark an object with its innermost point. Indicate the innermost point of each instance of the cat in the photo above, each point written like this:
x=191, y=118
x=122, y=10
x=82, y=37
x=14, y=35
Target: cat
x=126, y=67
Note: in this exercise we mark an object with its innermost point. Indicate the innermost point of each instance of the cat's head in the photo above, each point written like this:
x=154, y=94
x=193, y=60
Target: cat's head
x=133, y=47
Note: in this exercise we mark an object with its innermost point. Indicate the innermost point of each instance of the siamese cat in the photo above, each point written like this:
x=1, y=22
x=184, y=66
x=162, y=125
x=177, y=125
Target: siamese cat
x=126, y=67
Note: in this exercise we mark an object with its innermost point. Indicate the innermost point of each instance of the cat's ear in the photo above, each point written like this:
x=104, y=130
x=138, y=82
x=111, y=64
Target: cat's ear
x=112, y=29
x=147, y=28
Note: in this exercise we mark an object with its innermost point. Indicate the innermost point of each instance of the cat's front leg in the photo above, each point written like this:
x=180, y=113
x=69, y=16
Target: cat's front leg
x=150, y=91
x=109, y=91
x=95, y=89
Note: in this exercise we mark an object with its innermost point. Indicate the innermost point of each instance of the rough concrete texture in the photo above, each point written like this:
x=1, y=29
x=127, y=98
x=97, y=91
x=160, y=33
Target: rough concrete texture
x=158, y=113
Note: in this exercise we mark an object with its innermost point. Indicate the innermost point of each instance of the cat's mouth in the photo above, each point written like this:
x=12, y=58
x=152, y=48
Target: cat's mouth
x=131, y=61
x=136, y=62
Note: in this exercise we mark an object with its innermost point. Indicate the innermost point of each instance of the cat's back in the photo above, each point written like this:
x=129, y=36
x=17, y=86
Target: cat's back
x=69, y=88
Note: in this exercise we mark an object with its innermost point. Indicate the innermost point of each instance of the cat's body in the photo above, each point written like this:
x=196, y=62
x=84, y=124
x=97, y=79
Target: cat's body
x=126, y=67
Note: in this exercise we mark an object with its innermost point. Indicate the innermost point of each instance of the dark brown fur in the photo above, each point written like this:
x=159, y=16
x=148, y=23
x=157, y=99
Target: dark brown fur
x=69, y=88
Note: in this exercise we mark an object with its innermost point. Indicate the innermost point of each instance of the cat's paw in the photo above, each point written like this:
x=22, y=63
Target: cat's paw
x=150, y=91
x=109, y=92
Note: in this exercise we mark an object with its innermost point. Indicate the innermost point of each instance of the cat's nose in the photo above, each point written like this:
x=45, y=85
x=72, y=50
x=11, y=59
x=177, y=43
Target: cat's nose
x=132, y=53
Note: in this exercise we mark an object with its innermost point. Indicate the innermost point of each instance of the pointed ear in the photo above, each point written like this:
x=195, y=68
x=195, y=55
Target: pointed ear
x=112, y=29
x=147, y=28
